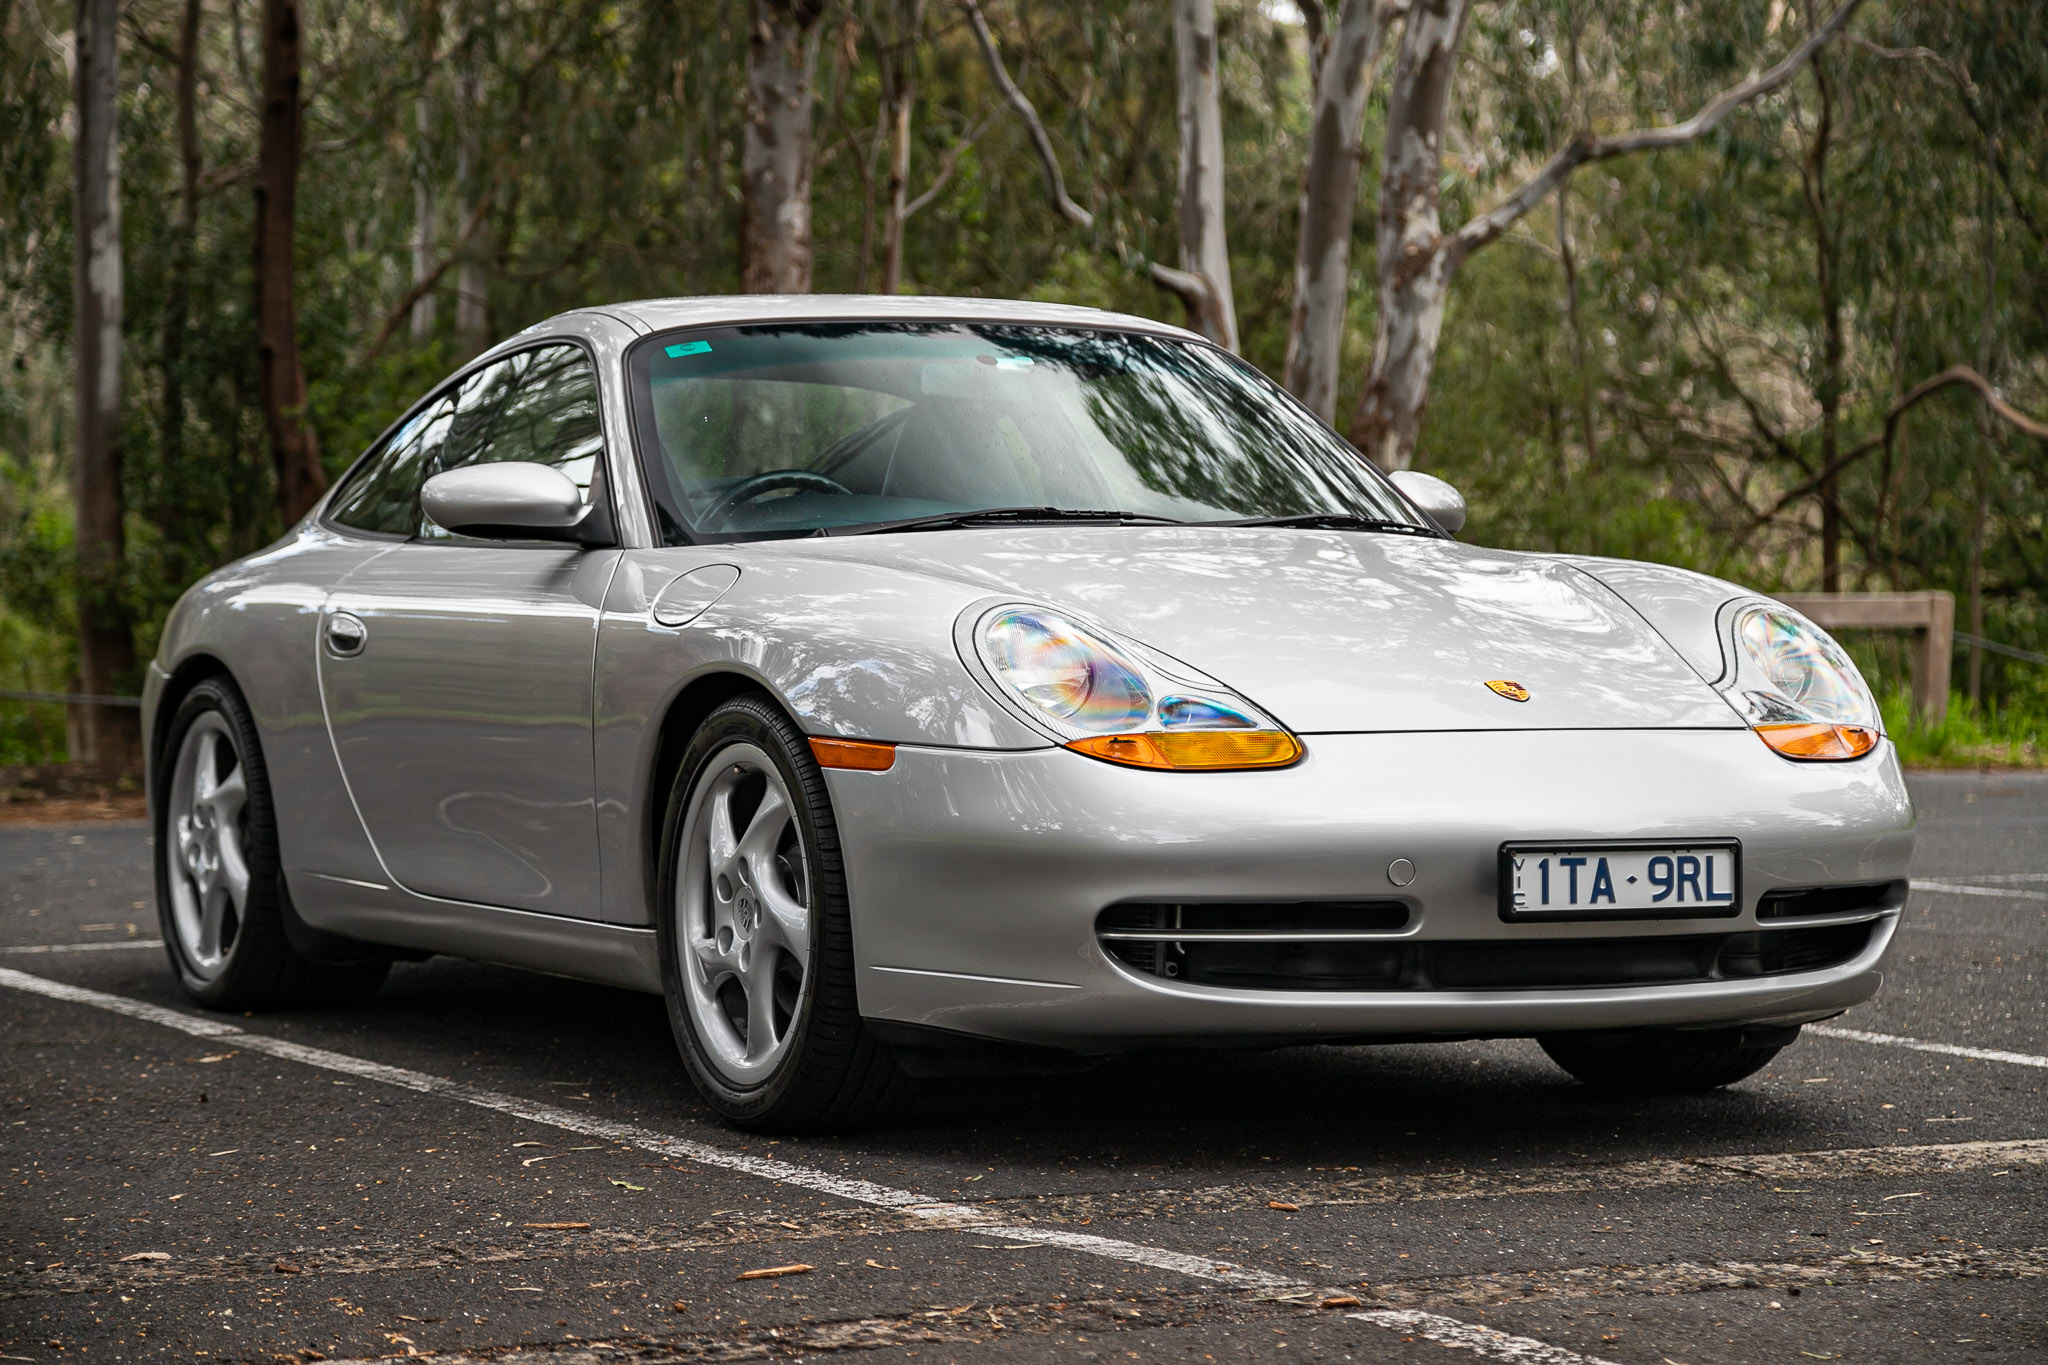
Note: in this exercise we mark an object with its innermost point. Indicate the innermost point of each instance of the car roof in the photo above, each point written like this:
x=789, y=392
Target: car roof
x=658, y=315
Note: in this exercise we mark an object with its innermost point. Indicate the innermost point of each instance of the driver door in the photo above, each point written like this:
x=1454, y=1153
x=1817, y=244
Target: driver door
x=457, y=672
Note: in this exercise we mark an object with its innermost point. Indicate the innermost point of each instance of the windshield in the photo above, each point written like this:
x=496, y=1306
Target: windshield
x=809, y=428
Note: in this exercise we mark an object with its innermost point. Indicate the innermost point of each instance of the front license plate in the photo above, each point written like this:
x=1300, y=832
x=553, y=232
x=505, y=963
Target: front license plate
x=1619, y=880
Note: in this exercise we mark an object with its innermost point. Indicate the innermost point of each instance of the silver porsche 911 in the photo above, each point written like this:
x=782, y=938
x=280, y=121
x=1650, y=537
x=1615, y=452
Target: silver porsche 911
x=911, y=686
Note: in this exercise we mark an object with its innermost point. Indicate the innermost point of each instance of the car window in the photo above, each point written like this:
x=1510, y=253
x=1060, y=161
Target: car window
x=538, y=406
x=799, y=427
x=385, y=495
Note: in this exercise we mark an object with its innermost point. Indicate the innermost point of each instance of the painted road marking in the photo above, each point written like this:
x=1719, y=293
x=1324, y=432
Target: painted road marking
x=1959, y=889
x=1446, y=1331
x=932, y=1213
x=1982, y=1054
x=1464, y=1336
x=1994, y=878
x=85, y=947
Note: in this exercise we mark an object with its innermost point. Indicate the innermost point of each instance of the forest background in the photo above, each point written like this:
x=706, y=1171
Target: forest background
x=1759, y=287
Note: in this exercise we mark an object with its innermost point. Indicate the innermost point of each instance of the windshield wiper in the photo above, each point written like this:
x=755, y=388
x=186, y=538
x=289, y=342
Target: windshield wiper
x=1002, y=516
x=1332, y=521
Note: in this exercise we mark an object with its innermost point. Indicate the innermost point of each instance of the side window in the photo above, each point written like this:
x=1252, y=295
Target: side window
x=385, y=496
x=538, y=406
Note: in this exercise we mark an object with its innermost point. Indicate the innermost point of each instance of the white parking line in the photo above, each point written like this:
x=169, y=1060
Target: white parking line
x=1994, y=878
x=935, y=1213
x=1960, y=889
x=85, y=947
x=1484, y=1341
x=1981, y=1054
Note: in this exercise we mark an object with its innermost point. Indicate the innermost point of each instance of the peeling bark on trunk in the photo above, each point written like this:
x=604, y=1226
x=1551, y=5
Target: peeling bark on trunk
x=1329, y=199
x=900, y=100
x=106, y=645
x=1416, y=261
x=281, y=380
x=775, y=154
x=1204, y=246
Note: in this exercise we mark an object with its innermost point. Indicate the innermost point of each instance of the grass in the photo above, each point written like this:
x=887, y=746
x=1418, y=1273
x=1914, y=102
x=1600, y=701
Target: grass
x=2013, y=734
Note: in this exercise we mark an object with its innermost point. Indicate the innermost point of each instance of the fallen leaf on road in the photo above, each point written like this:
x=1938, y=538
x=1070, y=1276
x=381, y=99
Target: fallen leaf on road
x=549, y=1157
x=529, y=1144
x=148, y=1256
x=772, y=1272
x=229, y=1152
x=558, y=1227
x=216, y=1057
x=1283, y=1207
x=1342, y=1301
x=287, y=1268
x=625, y=1185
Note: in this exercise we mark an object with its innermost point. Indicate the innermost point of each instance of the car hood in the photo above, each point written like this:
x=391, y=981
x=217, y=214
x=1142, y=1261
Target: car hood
x=1337, y=631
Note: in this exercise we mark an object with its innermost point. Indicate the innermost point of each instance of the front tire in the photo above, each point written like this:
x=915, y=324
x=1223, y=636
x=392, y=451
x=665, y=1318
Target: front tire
x=756, y=937
x=1663, y=1061
x=220, y=890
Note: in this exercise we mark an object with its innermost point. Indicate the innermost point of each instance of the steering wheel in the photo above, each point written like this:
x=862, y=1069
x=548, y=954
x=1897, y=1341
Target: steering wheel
x=769, y=481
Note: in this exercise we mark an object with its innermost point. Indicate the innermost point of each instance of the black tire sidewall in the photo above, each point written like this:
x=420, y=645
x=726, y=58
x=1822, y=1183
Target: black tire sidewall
x=259, y=917
x=752, y=720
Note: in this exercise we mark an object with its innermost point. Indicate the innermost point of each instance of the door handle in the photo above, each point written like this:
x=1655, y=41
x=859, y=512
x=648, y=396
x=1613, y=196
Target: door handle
x=346, y=635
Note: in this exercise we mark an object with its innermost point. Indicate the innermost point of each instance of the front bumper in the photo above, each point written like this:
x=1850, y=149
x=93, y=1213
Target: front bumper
x=977, y=877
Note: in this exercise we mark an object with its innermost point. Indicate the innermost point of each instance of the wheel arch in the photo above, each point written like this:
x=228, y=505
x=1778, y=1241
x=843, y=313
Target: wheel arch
x=192, y=670
x=687, y=710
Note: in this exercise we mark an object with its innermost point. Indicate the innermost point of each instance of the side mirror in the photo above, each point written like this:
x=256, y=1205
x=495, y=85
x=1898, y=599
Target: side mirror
x=514, y=500
x=1445, y=504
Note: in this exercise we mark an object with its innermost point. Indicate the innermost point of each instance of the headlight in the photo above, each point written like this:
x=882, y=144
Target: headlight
x=1801, y=693
x=1121, y=702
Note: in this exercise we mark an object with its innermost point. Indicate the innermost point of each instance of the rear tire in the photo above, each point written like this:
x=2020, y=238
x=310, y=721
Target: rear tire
x=756, y=937
x=1662, y=1061
x=220, y=890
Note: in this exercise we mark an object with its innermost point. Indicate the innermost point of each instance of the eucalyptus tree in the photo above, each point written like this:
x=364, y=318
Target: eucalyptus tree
x=106, y=645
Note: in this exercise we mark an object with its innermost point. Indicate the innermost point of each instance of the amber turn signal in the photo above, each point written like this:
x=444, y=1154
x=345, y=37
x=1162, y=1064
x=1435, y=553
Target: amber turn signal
x=1819, y=741
x=1194, y=750
x=861, y=755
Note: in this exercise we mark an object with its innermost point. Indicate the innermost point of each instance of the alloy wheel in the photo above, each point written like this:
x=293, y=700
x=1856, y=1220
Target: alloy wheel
x=209, y=882
x=743, y=914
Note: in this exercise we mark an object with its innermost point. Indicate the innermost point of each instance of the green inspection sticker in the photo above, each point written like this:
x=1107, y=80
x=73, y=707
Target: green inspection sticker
x=688, y=348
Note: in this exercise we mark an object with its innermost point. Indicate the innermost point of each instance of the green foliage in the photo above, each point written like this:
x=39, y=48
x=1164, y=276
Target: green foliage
x=2008, y=734
x=1735, y=311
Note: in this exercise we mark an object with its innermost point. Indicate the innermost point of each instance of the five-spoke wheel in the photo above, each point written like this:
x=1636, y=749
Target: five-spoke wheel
x=221, y=895
x=743, y=913
x=209, y=882
x=756, y=938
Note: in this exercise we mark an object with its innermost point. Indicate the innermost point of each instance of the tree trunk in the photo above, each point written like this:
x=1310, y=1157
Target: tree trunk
x=472, y=314
x=1581, y=380
x=1827, y=285
x=169, y=512
x=775, y=153
x=1204, y=248
x=281, y=380
x=422, y=218
x=1416, y=262
x=1329, y=199
x=899, y=99
x=106, y=644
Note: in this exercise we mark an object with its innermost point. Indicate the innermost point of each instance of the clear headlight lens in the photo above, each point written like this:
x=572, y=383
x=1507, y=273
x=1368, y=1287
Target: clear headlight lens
x=1801, y=692
x=1123, y=703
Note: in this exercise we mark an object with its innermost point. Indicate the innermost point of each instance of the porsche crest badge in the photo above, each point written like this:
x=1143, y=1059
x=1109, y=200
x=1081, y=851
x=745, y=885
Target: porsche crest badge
x=1513, y=691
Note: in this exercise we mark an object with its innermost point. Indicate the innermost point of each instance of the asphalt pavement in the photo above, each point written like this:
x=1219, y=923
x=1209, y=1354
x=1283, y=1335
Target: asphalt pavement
x=495, y=1165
